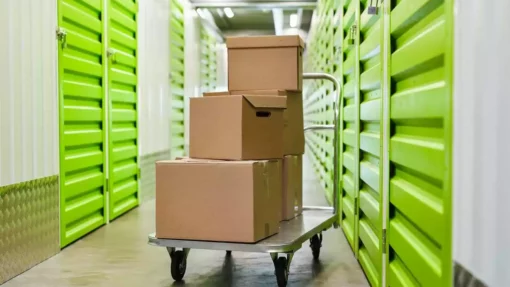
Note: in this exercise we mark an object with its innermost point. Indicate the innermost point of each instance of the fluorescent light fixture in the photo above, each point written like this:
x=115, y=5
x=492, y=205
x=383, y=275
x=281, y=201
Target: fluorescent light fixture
x=293, y=20
x=228, y=12
x=220, y=12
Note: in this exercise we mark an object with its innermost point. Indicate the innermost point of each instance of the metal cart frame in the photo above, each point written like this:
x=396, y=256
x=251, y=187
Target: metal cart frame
x=293, y=233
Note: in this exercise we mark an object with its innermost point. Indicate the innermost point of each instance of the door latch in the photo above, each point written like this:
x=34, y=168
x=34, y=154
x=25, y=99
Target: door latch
x=352, y=34
x=110, y=53
x=373, y=9
x=62, y=37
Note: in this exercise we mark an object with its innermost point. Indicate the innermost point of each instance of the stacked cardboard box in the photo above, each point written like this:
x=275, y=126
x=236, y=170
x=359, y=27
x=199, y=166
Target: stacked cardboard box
x=244, y=174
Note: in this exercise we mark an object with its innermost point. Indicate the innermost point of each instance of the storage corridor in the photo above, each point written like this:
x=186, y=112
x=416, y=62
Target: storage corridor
x=118, y=255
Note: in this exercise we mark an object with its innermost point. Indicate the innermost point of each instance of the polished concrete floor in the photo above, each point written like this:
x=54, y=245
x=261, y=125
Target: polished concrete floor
x=118, y=255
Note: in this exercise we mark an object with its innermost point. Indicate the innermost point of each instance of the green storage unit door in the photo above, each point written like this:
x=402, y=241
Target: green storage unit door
x=123, y=119
x=370, y=144
x=419, y=231
x=82, y=122
x=350, y=122
x=177, y=78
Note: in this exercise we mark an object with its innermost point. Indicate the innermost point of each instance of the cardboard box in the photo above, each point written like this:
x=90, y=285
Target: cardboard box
x=292, y=203
x=265, y=63
x=233, y=201
x=237, y=127
x=293, y=117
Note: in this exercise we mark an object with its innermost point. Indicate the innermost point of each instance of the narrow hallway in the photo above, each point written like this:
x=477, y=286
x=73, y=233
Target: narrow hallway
x=118, y=255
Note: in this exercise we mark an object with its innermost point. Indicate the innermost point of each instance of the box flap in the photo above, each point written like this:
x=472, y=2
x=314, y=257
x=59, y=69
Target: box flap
x=264, y=42
x=274, y=102
x=212, y=94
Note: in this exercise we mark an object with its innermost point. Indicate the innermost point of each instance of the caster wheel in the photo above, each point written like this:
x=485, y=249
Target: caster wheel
x=315, y=245
x=178, y=266
x=281, y=271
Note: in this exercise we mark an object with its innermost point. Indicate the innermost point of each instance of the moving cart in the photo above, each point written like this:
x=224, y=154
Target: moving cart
x=293, y=233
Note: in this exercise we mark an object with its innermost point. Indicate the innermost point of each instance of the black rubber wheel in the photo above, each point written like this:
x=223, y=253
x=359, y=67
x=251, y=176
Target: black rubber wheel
x=315, y=245
x=178, y=267
x=229, y=253
x=281, y=271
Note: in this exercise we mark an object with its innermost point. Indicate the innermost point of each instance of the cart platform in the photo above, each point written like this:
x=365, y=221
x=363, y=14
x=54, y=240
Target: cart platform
x=292, y=235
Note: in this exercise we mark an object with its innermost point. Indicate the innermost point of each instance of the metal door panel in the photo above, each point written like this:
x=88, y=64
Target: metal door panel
x=123, y=115
x=177, y=126
x=370, y=167
x=82, y=124
x=419, y=231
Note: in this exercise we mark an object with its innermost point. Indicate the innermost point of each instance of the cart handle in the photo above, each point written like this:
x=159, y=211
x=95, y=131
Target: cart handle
x=333, y=127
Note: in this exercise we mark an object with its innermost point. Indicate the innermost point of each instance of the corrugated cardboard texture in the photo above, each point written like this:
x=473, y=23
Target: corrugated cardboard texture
x=293, y=132
x=292, y=204
x=265, y=63
x=237, y=127
x=265, y=42
x=236, y=201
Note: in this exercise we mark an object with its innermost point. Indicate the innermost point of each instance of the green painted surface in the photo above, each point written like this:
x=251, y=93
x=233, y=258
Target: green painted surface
x=122, y=112
x=82, y=119
x=419, y=231
x=410, y=82
x=177, y=127
x=29, y=225
x=148, y=174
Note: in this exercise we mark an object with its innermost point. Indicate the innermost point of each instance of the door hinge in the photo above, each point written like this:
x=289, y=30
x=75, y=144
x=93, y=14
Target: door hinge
x=355, y=206
x=384, y=241
x=61, y=35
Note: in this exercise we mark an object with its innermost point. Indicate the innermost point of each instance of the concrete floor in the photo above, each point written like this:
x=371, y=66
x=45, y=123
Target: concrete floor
x=118, y=255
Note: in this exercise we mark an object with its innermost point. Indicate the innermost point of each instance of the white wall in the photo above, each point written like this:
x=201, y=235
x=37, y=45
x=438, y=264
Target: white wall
x=153, y=78
x=482, y=140
x=28, y=90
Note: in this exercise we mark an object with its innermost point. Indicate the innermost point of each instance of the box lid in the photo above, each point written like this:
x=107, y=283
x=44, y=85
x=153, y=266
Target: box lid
x=267, y=92
x=264, y=42
x=262, y=101
x=212, y=94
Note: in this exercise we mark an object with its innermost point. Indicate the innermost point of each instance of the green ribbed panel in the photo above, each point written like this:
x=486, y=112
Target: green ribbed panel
x=148, y=174
x=123, y=102
x=177, y=78
x=419, y=231
x=82, y=118
x=399, y=96
x=29, y=225
x=208, y=60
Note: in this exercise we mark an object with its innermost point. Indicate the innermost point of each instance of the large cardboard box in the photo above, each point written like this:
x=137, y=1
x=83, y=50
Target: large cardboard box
x=292, y=203
x=237, y=127
x=293, y=127
x=234, y=201
x=265, y=63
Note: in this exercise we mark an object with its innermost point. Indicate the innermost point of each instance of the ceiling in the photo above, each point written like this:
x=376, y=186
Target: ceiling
x=256, y=17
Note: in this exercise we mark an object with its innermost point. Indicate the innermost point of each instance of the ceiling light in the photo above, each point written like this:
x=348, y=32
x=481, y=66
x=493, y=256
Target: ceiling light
x=220, y=12
x=293, y=20
x=229, y=12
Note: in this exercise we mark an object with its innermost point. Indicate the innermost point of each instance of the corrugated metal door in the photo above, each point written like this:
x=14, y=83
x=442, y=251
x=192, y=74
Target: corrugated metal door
x=123, y=116
x=82, y=123
x=419, y=231
x=350, y=135
x=177, y=78
x=370, y=168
